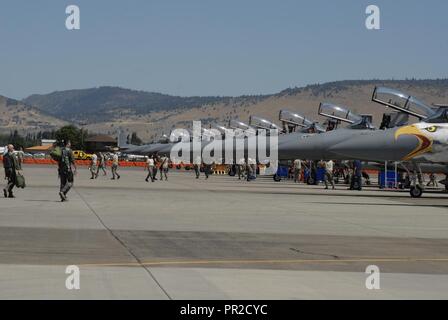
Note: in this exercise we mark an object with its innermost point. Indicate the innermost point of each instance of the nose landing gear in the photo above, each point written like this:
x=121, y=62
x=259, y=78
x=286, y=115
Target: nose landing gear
x=416, y=191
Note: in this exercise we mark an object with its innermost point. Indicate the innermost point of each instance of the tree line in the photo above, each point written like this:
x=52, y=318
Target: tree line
x=76, y=135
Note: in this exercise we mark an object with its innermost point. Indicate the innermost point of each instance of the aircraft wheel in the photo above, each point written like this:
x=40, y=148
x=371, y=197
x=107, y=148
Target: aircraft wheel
x=416, y=192
x=310, y=181
x=277, y=178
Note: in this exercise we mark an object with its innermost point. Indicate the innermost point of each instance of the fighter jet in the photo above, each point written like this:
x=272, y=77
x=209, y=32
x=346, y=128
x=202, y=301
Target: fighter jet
x=422, y=142
x=162, y=143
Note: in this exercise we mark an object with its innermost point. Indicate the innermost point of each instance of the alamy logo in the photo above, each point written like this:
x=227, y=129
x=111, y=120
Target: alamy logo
x=373, y=20
x=73, y=21
x=209, y=146
x=73, y=280
x=373, y=278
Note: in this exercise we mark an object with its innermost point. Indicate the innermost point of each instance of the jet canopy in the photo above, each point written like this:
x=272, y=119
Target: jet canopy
x=294, y=119
x=291, y=120
x=206, y=133
x=164, y=139
x=181, y=136
x=402, y=102
x=338, y=113
x=222, y=129
x=241, y=128
x=261, y=123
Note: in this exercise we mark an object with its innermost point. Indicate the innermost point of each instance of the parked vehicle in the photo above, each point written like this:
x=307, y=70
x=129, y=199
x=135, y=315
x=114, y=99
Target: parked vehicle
x=81, y=155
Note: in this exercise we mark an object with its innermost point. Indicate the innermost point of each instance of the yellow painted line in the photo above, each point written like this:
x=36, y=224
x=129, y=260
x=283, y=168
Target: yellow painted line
x=293, y=261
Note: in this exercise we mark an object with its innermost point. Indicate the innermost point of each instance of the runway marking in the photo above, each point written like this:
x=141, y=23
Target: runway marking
x=297, y=261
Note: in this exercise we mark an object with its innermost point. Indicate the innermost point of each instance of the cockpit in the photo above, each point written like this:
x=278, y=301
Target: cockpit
x=292, y=121
x=343, y=114
x=164, y=139
x=402, y=102
x=262, y=124
x=338, y=113
x=440, y=116
x=241, y=129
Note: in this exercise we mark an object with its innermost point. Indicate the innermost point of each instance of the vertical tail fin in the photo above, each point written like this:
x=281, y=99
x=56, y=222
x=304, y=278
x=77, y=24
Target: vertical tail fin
x=122, y=140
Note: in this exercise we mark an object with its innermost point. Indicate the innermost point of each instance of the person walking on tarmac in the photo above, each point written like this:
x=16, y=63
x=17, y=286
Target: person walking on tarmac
x=297, y=166
x=356, y=181
x=101, y=164
x=11, y=165
x=66, y=169
x=150, y=168
x=208, y=169
x=164, y=162
x=156, y=158
x=93, y=166
x=240, y=167
x=329, y=167
x=432, y=181
x=251, y=169
x=197, y=166
x=114, y=167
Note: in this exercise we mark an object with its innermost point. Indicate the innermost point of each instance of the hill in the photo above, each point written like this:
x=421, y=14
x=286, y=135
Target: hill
x=16, y=115
x=108, y=103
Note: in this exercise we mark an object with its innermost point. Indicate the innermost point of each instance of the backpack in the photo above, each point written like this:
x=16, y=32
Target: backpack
x=56, y=154
x=20, y=181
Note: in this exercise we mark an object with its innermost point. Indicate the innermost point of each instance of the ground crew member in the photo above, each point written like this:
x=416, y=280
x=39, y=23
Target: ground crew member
x=150, y=168
x=67, y=170
x=114, y=167
x=197, y=166
x=329, y=165
x=12, y=165
x=207, y=169
x=20, y=156
x=312, y=171
x=101, y=164
x=251, y=169
x=248, y=170
x=164, y=162
x=156, y=158
x=357, y=176
x=297, y=170
x=93, y=166
x=240, y=167
x=432, y=181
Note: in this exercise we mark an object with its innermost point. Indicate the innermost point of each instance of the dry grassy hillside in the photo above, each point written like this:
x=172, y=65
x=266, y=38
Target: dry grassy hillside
x=303, y=100
x=14, y=115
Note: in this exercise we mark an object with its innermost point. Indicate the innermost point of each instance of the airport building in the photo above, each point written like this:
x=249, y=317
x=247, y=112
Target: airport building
x=100, y=143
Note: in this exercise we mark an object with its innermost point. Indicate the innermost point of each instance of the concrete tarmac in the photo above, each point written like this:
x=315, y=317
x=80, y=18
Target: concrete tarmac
x=219, y=238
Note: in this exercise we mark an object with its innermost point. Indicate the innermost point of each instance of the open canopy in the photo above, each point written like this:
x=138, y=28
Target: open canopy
x=241, y=128
x=294, y=119
x=402, y=102
x=164, y=139
x=261, y=123
x=338, y=113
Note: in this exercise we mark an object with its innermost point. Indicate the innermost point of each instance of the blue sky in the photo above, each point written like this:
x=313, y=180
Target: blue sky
x=210, y=47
